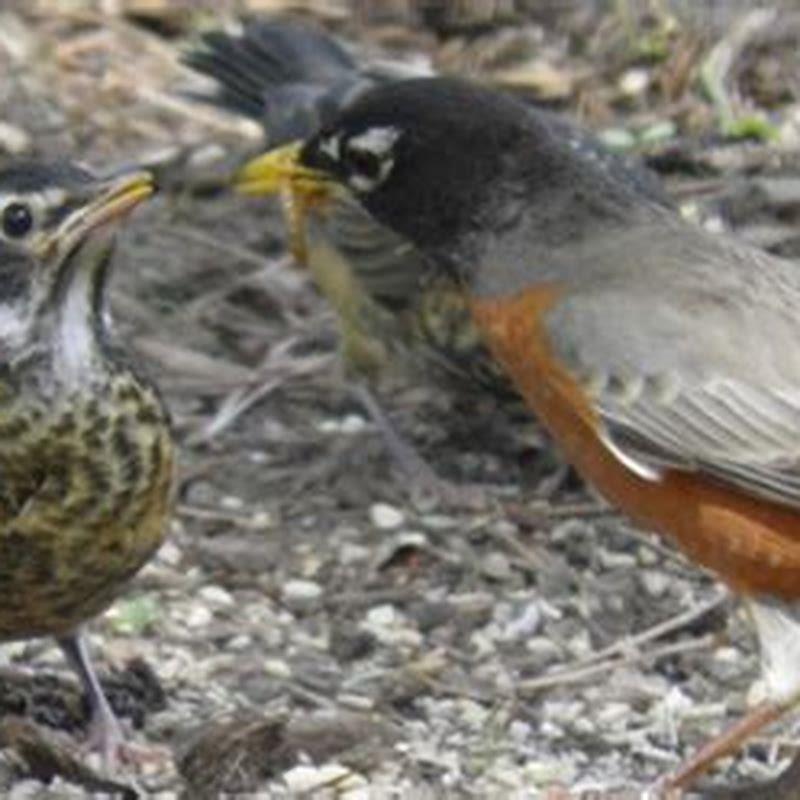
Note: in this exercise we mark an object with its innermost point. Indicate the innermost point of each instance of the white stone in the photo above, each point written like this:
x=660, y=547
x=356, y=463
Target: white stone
x=386, y=517
x=520, y=731
x=198, y=617
x=276, y=668
x=232, y=503
x=382, y=616
x=14, y=140
x=301, y=594
x=350, y=553
x=525, y=623
x=216, y=596
x=306, y=780
x=353, y=424
x=655, y=582
x=634, y=81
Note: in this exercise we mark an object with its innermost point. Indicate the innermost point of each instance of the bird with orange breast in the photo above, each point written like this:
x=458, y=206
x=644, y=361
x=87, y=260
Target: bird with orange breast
x=663, y=359
x=395, y=319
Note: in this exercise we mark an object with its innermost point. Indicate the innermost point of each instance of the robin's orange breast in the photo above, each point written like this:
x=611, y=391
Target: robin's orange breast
x=751, y=543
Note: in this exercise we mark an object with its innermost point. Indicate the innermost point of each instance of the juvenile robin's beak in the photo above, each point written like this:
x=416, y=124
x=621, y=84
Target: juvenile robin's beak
x=279, y=171
x=117, y=196
x=107, y=200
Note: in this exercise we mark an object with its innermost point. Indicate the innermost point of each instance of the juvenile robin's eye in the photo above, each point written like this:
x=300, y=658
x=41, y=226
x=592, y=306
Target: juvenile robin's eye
x=17, y=220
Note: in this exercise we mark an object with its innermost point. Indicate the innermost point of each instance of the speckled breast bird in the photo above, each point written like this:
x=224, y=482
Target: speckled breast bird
x=664, y=360
x=86, y=455
x=395, y=315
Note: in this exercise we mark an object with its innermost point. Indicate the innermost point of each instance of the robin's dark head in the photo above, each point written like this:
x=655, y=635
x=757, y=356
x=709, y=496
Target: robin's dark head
x=423, y=156
x=57, y=223
x=448, y=164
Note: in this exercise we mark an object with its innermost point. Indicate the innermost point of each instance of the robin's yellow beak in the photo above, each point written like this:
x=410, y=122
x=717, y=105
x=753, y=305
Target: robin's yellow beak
x=279, y=172
x=299, y=188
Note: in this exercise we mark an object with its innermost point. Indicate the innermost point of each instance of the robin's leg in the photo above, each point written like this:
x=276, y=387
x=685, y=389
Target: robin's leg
x=413, y=465
x=777, y=626
x=105, y=732
x=727, y=743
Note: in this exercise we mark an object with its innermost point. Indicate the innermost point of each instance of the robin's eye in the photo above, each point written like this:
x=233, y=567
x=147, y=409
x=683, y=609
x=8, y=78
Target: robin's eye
x=362, y=163
x=17, y=220
x=367, y=158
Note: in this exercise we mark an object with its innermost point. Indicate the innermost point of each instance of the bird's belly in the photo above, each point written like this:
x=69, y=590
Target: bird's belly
x=83, y=504
x=752, y=544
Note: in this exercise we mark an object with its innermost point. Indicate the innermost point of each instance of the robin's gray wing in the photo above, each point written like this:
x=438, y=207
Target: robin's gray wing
x=691, y=358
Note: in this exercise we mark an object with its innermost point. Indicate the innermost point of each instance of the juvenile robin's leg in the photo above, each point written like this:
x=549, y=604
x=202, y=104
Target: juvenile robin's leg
x=105, y=732
x=413, y=465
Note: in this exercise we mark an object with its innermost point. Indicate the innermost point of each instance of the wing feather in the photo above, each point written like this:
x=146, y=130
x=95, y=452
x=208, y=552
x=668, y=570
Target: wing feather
x=711, y=385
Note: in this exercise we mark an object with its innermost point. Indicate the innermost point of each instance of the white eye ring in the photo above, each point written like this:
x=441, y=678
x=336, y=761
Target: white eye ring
x=331, y=147
x=373, y=147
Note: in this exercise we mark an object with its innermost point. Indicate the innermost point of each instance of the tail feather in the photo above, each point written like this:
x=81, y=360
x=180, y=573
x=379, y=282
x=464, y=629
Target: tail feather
x=290, y=52
x=289, y=77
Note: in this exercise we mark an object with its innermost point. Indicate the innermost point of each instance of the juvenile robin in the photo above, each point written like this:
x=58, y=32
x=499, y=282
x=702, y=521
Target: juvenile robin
x=85, y=447
x=664, y=360
x=395, y=316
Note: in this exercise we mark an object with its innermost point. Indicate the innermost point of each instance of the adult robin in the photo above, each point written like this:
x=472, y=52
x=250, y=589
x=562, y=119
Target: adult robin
x=662, y=358
x=85, y=447
x=395, y=316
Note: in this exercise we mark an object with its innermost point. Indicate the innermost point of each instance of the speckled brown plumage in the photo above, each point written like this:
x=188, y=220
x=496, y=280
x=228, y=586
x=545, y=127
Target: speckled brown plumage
x=85, y=484
x=86, y=455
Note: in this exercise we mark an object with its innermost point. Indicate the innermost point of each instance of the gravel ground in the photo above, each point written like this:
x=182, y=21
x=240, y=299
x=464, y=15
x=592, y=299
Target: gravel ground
x=311, y=628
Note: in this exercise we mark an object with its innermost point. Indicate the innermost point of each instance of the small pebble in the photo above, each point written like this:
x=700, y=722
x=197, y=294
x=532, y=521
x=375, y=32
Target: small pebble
x=350, y=553
x=356, y=702
x=301, y=595
x=307, y=780
x=655, y=582
x=525, y=623
x=14, y=140
x=541, y=652
x=647, y=556
x=634, y=81
x=382, y=616
x=353, y=424
x=439, y=522
x=386, y=517
x=613, y=715
x=262, y=519
x=496, y=566
x=217, y=596
x=520, y=731
x=170, y=554
x=611, y=559
x=232, y=503
x=198, y=617
x=239, y=643
x=277, y=668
